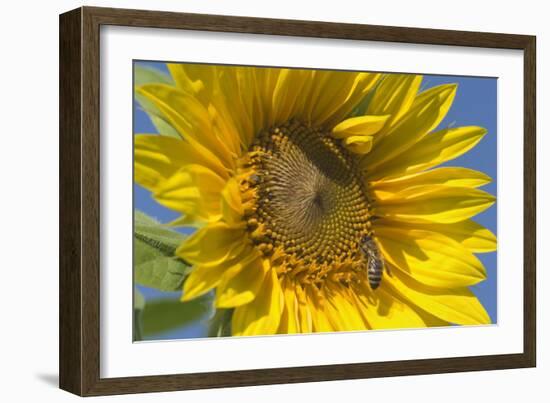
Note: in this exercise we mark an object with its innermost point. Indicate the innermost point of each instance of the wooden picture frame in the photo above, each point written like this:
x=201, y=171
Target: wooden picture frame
x=80, y=199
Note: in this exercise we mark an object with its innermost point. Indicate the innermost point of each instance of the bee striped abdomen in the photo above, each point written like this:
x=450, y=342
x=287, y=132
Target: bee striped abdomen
x=374, y=259
x=375, y=268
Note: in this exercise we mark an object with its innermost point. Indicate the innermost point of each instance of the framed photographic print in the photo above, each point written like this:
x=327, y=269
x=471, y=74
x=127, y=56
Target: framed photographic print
x=250, y=201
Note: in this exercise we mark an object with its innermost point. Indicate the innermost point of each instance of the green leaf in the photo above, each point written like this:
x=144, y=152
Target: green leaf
x=149, y=229
x=147, y=75
x=140, y=218
x=220, y=324
x=139, y=305
x=139, y=300
x=155, y=263
x=161, y=272
x=167, y=314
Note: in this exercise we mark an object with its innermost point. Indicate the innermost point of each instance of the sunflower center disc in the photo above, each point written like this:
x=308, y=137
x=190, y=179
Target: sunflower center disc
x=310, y=197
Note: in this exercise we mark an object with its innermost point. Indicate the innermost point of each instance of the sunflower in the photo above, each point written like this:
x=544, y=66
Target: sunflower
x=316, y=198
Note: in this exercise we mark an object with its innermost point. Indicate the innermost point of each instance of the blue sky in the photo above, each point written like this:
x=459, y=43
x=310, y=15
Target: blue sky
x=474, y=104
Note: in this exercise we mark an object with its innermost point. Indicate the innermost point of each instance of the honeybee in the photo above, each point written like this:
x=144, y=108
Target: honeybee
x=374, y=260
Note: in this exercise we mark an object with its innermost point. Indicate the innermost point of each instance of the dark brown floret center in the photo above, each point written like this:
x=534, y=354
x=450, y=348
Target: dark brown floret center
x=311, y=199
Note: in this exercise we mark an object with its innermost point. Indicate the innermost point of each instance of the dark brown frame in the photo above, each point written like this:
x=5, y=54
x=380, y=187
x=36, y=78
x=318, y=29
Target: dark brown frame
x=79, y=200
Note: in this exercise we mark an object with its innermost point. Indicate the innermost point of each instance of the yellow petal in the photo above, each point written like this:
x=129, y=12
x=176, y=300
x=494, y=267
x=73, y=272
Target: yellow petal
x=182, y=110
x=363, y=84
x=339, y=308
x=459, y=306
x=359, y=126
x=394, y=95
x=358, y=144
x=429, y=257
x=243, y=287
x=191, y=220
x=434, y=149
x=200, y=281
x=289, y=319
x=429, y=319
x=265, y=80
x=444, y=92
x=157, y=158
x=213, y=244
x=232, y=207
x=231, y=121
x=426, y=112
x=251, y=103
x=196, y=79
x=473, y=236
x=437, y=203
x=193, y=190
x=449, y=176
x=286, y=94
x=385, y=310
x=215, y=87
x=261, y=316
x=204, y=278
x=319, y=317
x=335, y=93
x=305, y=308
x=189, y=117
